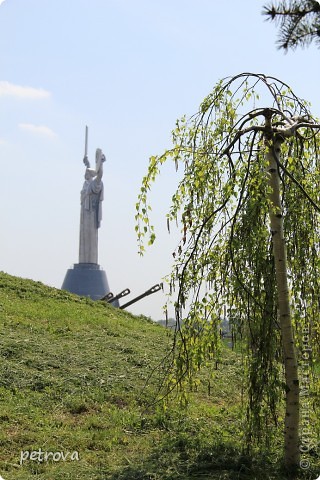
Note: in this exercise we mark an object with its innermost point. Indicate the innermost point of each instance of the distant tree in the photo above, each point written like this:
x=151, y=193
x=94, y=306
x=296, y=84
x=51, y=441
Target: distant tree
x=248, y=205
x=299, y=22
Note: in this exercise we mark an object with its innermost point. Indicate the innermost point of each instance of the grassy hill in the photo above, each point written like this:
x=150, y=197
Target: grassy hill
x=80, y=377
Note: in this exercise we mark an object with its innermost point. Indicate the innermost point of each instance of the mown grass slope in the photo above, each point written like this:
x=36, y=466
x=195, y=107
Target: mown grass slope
x=80, y=377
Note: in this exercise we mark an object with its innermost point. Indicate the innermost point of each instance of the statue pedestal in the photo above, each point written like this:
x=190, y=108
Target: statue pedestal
x=86, y=280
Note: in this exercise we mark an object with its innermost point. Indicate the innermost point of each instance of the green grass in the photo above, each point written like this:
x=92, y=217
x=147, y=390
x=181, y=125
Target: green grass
x=82, y=376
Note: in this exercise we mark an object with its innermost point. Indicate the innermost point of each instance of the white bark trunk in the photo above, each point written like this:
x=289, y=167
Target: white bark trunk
x=291, y=432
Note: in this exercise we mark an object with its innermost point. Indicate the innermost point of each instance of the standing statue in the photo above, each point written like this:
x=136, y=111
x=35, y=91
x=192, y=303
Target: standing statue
x=91, y=207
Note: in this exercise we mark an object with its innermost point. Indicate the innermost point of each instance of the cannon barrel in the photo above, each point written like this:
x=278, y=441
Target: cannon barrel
x=151, y=290
x=107, y=297
x=110, y=298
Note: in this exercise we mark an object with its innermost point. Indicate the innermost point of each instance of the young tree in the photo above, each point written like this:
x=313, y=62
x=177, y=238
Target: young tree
x=248, y=203
x=299, y=22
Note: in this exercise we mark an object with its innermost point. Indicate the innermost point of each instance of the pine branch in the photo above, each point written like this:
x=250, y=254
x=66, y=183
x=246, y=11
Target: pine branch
x=299, y=22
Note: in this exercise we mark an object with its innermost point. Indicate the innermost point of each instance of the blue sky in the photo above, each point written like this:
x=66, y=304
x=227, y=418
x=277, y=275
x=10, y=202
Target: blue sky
x=127, y=69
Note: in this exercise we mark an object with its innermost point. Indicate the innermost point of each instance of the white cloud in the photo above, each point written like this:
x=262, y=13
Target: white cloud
x=18, y=91
x=1, y=1
x=37, y=129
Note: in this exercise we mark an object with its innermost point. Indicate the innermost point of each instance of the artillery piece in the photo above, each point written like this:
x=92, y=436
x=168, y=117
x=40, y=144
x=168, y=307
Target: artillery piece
x=114, y=299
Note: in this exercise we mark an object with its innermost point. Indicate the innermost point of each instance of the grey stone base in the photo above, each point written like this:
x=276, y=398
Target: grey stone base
x=87, y=280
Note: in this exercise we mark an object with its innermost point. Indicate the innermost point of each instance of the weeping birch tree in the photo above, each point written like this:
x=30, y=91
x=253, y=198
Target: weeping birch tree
x=248, y=206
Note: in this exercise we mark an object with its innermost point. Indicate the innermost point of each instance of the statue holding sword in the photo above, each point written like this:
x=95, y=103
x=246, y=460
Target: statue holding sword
x=91, y=206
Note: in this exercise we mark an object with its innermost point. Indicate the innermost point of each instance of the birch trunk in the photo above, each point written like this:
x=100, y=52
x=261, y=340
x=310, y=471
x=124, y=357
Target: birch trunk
x=291, y=431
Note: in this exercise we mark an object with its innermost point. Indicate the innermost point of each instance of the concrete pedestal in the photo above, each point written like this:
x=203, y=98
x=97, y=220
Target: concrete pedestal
x=87, y=280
